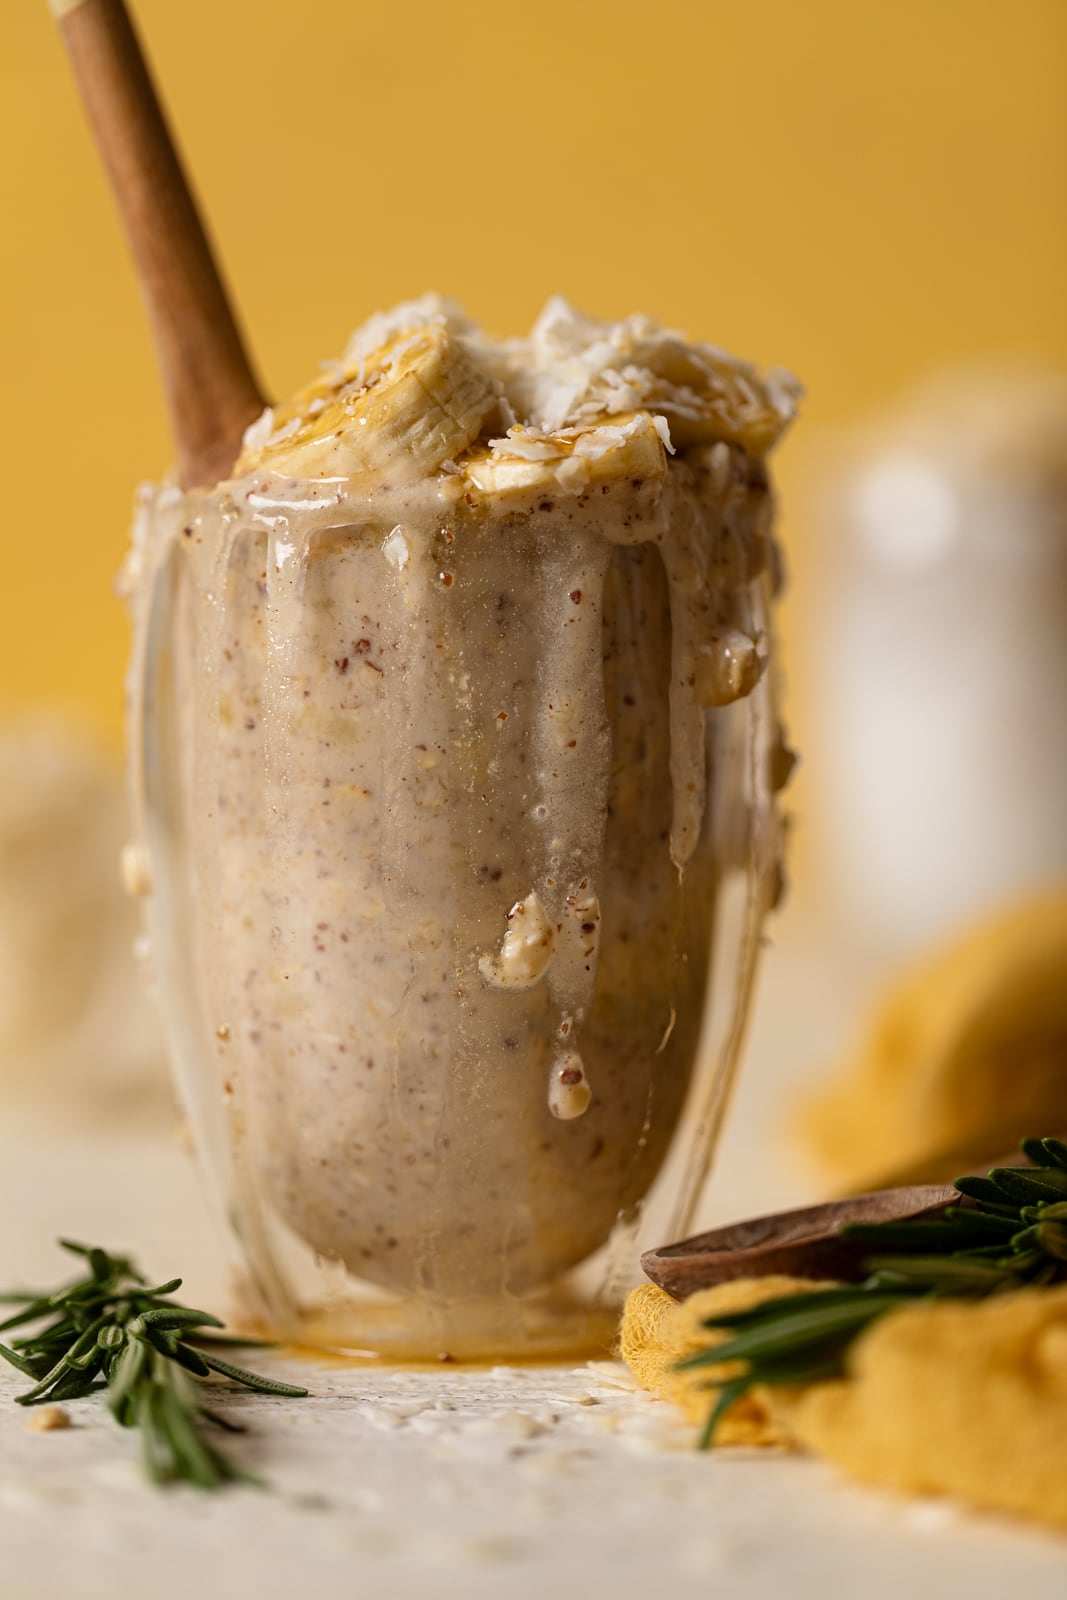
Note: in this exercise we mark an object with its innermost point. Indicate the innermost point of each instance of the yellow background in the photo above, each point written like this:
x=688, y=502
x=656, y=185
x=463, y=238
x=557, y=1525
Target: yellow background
x=857, y=190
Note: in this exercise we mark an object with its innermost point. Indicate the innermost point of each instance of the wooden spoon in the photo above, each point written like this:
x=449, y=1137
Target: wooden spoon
x=212, y=393
x=802, y=1244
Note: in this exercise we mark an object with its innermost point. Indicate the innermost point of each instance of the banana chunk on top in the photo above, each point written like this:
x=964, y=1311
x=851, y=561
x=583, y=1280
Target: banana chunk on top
x=573, y=459
x=397, y=414
x=421, y=391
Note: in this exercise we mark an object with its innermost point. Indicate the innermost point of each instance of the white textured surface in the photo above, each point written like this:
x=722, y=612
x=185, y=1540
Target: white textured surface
x=481, y=1484
x=489, y=1484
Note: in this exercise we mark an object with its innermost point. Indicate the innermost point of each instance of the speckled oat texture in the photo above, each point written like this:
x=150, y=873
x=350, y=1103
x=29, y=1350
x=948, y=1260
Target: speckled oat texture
x=457, y=717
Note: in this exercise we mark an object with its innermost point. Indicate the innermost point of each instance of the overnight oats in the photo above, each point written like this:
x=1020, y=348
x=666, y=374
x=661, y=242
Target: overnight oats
x=453, y=728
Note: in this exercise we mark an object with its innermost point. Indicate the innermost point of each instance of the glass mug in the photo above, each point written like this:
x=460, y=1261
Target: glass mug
x=448, y=821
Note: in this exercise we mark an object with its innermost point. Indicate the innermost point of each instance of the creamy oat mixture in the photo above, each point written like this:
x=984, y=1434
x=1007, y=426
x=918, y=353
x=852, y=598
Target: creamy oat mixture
x=446, y=670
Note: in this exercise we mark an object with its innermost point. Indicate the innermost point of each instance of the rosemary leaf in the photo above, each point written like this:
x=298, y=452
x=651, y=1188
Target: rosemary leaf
x=995, y=1226
x=191, y=1360
x=1029, y=1185
x=983, y=1189
x=157, y=1452
x=784, y=1303
x=939, y=1235
x=196, y=1461
x=1056, y=1151
x=126, y=1374
x=178, y=1317
x=41, y=1388
x=78, y=1383
x=40, y=1308
x=19, y=1361
x=160, y=1289
x=112, y=1330
x=810, y=1319
x=727, y=1395
x=960, y=1272
x=252, y=1380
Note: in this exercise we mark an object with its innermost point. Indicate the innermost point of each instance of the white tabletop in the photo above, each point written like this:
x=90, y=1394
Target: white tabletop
x=547, y=1483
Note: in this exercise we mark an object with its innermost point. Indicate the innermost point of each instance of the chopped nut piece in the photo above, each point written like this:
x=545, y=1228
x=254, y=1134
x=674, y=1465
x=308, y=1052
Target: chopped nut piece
x=47, y=1419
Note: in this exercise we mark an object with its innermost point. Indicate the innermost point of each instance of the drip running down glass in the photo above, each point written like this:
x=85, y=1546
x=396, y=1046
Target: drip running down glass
x=453, y=748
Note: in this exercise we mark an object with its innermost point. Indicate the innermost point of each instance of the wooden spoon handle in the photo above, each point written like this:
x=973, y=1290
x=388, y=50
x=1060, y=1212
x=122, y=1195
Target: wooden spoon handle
x=801, y=1244
x=211, y=391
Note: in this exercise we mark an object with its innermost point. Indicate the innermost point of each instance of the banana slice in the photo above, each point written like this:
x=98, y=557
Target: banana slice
x=411, y=405
x=572, y=460
x=706, y=395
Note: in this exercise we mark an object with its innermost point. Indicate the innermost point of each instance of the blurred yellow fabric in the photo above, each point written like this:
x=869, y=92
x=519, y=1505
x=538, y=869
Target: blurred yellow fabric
x=657, y=1332
x=859, y=192
x=952, y=1397
x=965, y=1055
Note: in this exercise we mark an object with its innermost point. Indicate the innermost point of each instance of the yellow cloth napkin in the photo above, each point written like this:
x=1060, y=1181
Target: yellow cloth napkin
x=658, y=1332
x=965, y=1055
x=958, y=1397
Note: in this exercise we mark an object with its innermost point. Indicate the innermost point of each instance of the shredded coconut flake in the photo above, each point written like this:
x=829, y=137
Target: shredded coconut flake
x=560, y=387
x=662, y=427
x=257, y=434
x=292, y=426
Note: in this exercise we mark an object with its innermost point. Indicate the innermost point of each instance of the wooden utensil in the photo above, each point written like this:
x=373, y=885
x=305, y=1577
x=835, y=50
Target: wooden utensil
x=211, y=390
x=801, y=1244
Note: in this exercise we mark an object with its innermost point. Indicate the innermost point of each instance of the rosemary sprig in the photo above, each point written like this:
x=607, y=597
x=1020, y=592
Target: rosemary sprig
x=111, y=1329
x=1009, y=1232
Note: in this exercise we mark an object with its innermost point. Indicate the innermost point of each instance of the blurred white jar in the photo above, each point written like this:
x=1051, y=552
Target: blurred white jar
x=932, y=655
